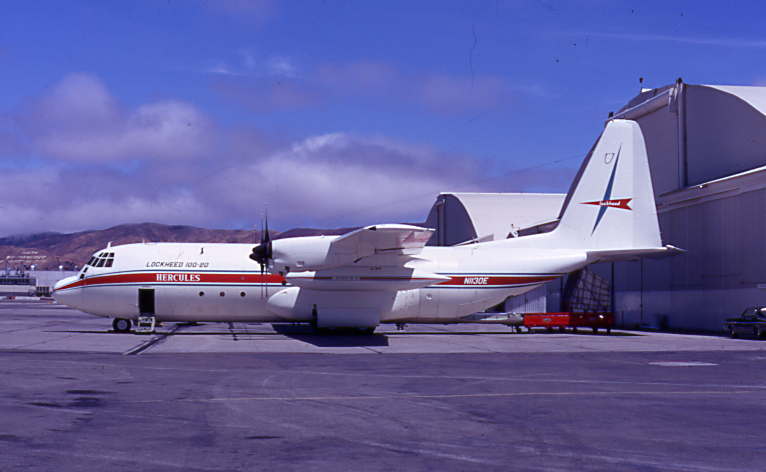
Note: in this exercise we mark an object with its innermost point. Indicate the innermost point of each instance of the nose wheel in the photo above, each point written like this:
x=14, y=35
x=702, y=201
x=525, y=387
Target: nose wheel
x=121, y=325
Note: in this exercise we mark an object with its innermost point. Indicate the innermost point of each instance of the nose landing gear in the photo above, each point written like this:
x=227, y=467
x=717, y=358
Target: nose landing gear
x=121, y=325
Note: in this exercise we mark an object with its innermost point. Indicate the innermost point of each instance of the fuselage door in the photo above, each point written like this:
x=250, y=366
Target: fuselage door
x=146, y=301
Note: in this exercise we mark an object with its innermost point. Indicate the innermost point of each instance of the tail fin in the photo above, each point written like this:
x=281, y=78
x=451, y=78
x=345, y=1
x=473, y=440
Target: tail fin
x=610, y=207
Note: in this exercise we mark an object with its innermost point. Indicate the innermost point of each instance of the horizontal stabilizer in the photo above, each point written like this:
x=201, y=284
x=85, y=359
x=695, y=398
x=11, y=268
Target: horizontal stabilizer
x=612, y=255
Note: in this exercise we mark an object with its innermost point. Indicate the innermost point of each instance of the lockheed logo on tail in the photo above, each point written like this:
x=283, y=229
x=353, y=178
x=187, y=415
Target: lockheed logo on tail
x=621, y=203
x=607, y=201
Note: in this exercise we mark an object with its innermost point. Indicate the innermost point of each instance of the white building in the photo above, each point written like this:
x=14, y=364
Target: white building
x=707, y=152
x=461, y=217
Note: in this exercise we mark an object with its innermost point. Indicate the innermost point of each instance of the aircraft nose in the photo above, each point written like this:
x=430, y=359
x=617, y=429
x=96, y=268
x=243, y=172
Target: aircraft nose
x=63, y=292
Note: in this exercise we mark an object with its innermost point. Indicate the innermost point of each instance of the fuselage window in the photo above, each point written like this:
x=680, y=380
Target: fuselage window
x=222, y=294
x=202, y=294
x=241, y=294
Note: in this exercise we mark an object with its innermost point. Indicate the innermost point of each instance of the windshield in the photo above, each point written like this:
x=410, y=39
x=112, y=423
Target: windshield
x=103, y=259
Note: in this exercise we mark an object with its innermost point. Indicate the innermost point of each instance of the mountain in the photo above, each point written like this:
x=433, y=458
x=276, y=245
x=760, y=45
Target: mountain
x=47, y=251
x=296, y=232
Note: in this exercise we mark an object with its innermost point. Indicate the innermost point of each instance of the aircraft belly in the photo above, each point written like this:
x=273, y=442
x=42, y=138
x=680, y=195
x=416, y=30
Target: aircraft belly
x=182, y=303
x=333, y=308
x=109, y=301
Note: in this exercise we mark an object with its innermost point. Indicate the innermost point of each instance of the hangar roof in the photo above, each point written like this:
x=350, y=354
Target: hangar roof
x=489, y=216
x=496, y=213
x=754, y=96
x=699, y=133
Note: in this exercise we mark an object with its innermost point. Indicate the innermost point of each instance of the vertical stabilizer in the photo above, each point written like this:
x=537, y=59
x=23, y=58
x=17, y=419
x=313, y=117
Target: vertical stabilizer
x=611, y=204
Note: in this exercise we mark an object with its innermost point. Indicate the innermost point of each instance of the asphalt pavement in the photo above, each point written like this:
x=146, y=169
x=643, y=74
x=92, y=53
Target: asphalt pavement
x=75, y=396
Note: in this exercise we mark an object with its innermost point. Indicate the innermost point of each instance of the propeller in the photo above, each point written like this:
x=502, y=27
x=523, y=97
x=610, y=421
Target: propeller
x=263, y=251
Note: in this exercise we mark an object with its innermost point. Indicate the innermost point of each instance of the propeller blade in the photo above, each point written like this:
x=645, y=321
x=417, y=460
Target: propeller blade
x=263, y=251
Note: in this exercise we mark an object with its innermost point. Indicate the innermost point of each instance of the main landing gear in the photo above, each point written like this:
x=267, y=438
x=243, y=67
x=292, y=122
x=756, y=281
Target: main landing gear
x=121, y=325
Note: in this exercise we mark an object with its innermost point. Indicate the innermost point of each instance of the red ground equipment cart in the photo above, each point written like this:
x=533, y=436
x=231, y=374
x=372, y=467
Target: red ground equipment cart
x=594, y=321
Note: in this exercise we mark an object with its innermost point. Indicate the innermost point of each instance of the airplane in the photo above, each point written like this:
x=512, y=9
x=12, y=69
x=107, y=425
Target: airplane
x=383, y=273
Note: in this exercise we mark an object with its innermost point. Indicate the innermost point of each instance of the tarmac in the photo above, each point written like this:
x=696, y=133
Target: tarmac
x=225, y=397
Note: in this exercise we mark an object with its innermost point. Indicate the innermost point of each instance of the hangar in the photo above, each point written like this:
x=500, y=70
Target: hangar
x=707, y=152
x=463, y=217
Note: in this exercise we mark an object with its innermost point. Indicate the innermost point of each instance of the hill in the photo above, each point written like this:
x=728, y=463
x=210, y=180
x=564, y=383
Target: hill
x=47, y=251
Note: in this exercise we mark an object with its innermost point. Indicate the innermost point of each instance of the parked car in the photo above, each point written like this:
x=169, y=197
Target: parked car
x=751, y=321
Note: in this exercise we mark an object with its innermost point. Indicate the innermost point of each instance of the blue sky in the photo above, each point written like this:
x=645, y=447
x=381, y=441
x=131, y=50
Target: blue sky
x=328, y=113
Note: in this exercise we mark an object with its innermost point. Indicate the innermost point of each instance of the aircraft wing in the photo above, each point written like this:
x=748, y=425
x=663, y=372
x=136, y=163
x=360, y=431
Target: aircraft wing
x=394, y=239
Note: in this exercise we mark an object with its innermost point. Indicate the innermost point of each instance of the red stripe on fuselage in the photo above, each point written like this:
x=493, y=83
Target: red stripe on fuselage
x=254, y=278
x=492, y=280
x=178, y=277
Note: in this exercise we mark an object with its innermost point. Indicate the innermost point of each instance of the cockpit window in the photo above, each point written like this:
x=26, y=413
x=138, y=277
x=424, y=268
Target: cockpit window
x=103, y=259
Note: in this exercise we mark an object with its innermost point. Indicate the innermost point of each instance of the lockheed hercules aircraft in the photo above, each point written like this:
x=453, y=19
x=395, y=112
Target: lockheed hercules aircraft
x=383, y=273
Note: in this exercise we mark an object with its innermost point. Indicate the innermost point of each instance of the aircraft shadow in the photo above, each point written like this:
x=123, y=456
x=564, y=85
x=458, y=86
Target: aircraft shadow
x=330, y=339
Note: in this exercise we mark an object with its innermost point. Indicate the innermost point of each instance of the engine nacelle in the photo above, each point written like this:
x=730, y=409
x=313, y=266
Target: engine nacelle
x=301, y=253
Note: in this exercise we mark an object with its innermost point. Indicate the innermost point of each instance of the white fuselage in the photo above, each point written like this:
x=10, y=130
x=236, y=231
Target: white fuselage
x=218, y=282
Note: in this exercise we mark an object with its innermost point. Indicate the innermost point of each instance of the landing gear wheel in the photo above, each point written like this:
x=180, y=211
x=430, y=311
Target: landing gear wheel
x=121, y=325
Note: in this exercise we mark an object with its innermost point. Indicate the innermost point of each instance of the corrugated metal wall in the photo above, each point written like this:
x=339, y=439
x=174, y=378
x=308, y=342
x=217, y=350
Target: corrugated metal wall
x=725, y=135
x=534, y=301
x=723, y=233
x=717, y=278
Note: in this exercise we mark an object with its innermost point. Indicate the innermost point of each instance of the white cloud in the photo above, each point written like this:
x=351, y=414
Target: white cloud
x=165, y=161
x=221, y=68
x=282, y=67
x=246, y=64
x=366, y=80
x=79, y=120
x=326, y=180
x=55, y=200
x=343, y=178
